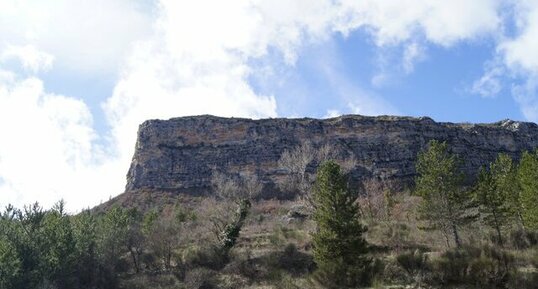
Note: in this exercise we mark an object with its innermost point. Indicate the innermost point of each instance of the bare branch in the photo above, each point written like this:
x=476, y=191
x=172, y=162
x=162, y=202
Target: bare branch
x=224, y=186
x=250, y=186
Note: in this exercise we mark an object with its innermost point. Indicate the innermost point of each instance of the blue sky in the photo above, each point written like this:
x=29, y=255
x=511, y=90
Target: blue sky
x=78, y=77
x=440, y=85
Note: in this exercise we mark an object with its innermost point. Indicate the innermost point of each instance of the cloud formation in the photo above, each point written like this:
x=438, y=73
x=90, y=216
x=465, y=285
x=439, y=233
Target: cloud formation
x=173, y=58
x=29, y=57
x=520, y=57
x=89, y=37
x=47, y=150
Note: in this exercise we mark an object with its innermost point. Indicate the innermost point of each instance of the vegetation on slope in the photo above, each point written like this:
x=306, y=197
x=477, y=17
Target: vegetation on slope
x=444, y=234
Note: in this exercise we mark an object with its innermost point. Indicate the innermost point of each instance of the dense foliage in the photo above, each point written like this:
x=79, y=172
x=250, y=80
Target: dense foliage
x=43, y=248
x=526, y=200
x=445, y=202
x=493, y=191
x=339, y=246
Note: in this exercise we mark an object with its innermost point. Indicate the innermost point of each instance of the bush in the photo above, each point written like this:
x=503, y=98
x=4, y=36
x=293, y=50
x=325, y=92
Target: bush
x=160, y=281
x=287, y=282
x=486, y=267
x=523, y=239
x=241, y=264
x=394, y=273
x=295, y=261
x=414, y=262
x=200, y=278
x=211, y=257
x=523, y=280
x=395, y=235
x=150, y=261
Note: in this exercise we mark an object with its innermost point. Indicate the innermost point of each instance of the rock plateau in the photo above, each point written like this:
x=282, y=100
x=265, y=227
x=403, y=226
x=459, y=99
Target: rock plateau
x=180, y=154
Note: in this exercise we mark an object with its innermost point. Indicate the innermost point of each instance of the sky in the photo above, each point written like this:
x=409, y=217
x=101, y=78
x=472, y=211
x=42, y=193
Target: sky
x=77, y=77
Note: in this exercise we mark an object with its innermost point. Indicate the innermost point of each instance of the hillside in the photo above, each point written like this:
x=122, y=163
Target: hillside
x=179, y=155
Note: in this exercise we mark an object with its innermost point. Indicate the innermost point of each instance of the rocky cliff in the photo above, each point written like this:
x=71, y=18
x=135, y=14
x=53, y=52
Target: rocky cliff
x=180, y=154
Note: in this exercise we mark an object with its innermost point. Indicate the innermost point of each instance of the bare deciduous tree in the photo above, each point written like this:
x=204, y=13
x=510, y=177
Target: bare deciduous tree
x=226, y=221
x=296, y=161
x=375, y=201
x=325, y=152
x=163, y=232
x=245, y=188
x=224, y=186
x=250, y=186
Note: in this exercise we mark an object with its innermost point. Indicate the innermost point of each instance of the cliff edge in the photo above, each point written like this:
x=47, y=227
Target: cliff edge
x=180, y=154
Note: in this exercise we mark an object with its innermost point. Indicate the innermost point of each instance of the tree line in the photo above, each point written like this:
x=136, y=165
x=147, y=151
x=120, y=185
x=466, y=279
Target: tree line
x=505, y=193
x=49, y=249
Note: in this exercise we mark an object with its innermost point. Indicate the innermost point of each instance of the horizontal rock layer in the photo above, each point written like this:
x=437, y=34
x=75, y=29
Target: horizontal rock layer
x=180, y=154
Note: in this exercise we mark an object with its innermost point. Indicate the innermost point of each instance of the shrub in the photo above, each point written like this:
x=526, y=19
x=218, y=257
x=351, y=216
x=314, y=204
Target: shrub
x=158, y=281
x=241, y=264
x=395, y=234
x=394, y=273
x=287, y=282
x=211, y=257
x=523, y=280
x=150, y=261
x=523, y=239
x=295, y=261
x=414, y=262
x=200, y=278
x=486, y=267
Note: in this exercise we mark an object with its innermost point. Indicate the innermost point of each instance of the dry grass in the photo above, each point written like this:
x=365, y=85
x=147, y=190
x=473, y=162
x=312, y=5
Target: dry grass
x=274, y=251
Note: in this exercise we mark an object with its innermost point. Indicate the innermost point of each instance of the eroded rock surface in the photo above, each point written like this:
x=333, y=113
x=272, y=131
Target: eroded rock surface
x=180, y=154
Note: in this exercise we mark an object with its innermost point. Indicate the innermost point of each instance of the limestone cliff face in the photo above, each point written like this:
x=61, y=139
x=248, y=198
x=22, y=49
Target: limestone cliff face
x=179, y=155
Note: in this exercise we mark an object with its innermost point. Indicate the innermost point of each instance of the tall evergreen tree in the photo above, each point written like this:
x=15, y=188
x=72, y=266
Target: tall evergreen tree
x=445, y=202
x=525, y=204
x=493, y=190
x=85, y=235
x=339, y=247
x=10, y=265
x=58, y=248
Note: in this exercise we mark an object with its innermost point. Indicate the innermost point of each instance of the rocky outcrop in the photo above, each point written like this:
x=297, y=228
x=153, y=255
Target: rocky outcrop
x=180, y=154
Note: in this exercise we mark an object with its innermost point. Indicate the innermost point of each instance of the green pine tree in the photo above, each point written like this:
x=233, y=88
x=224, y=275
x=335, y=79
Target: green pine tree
x=339, y=247
x=525, y=205
x=445, y=202
x=10, y=265
x=493, y=190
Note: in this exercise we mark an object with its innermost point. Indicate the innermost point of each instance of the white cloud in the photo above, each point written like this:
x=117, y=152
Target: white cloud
x=520, y=57
x=30, y=58
x=380, y=78
x=194, y=64
x=84, y=36
x=410, y=25
x=332, y=113
x=489, y=85
x=526, y=96
x=413, y=52
x=520, y=52
x=393, y=62
x=440, y=22
x=47, y=151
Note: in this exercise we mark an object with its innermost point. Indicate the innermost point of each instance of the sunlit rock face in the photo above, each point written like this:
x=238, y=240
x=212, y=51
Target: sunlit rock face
x=180, y=154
